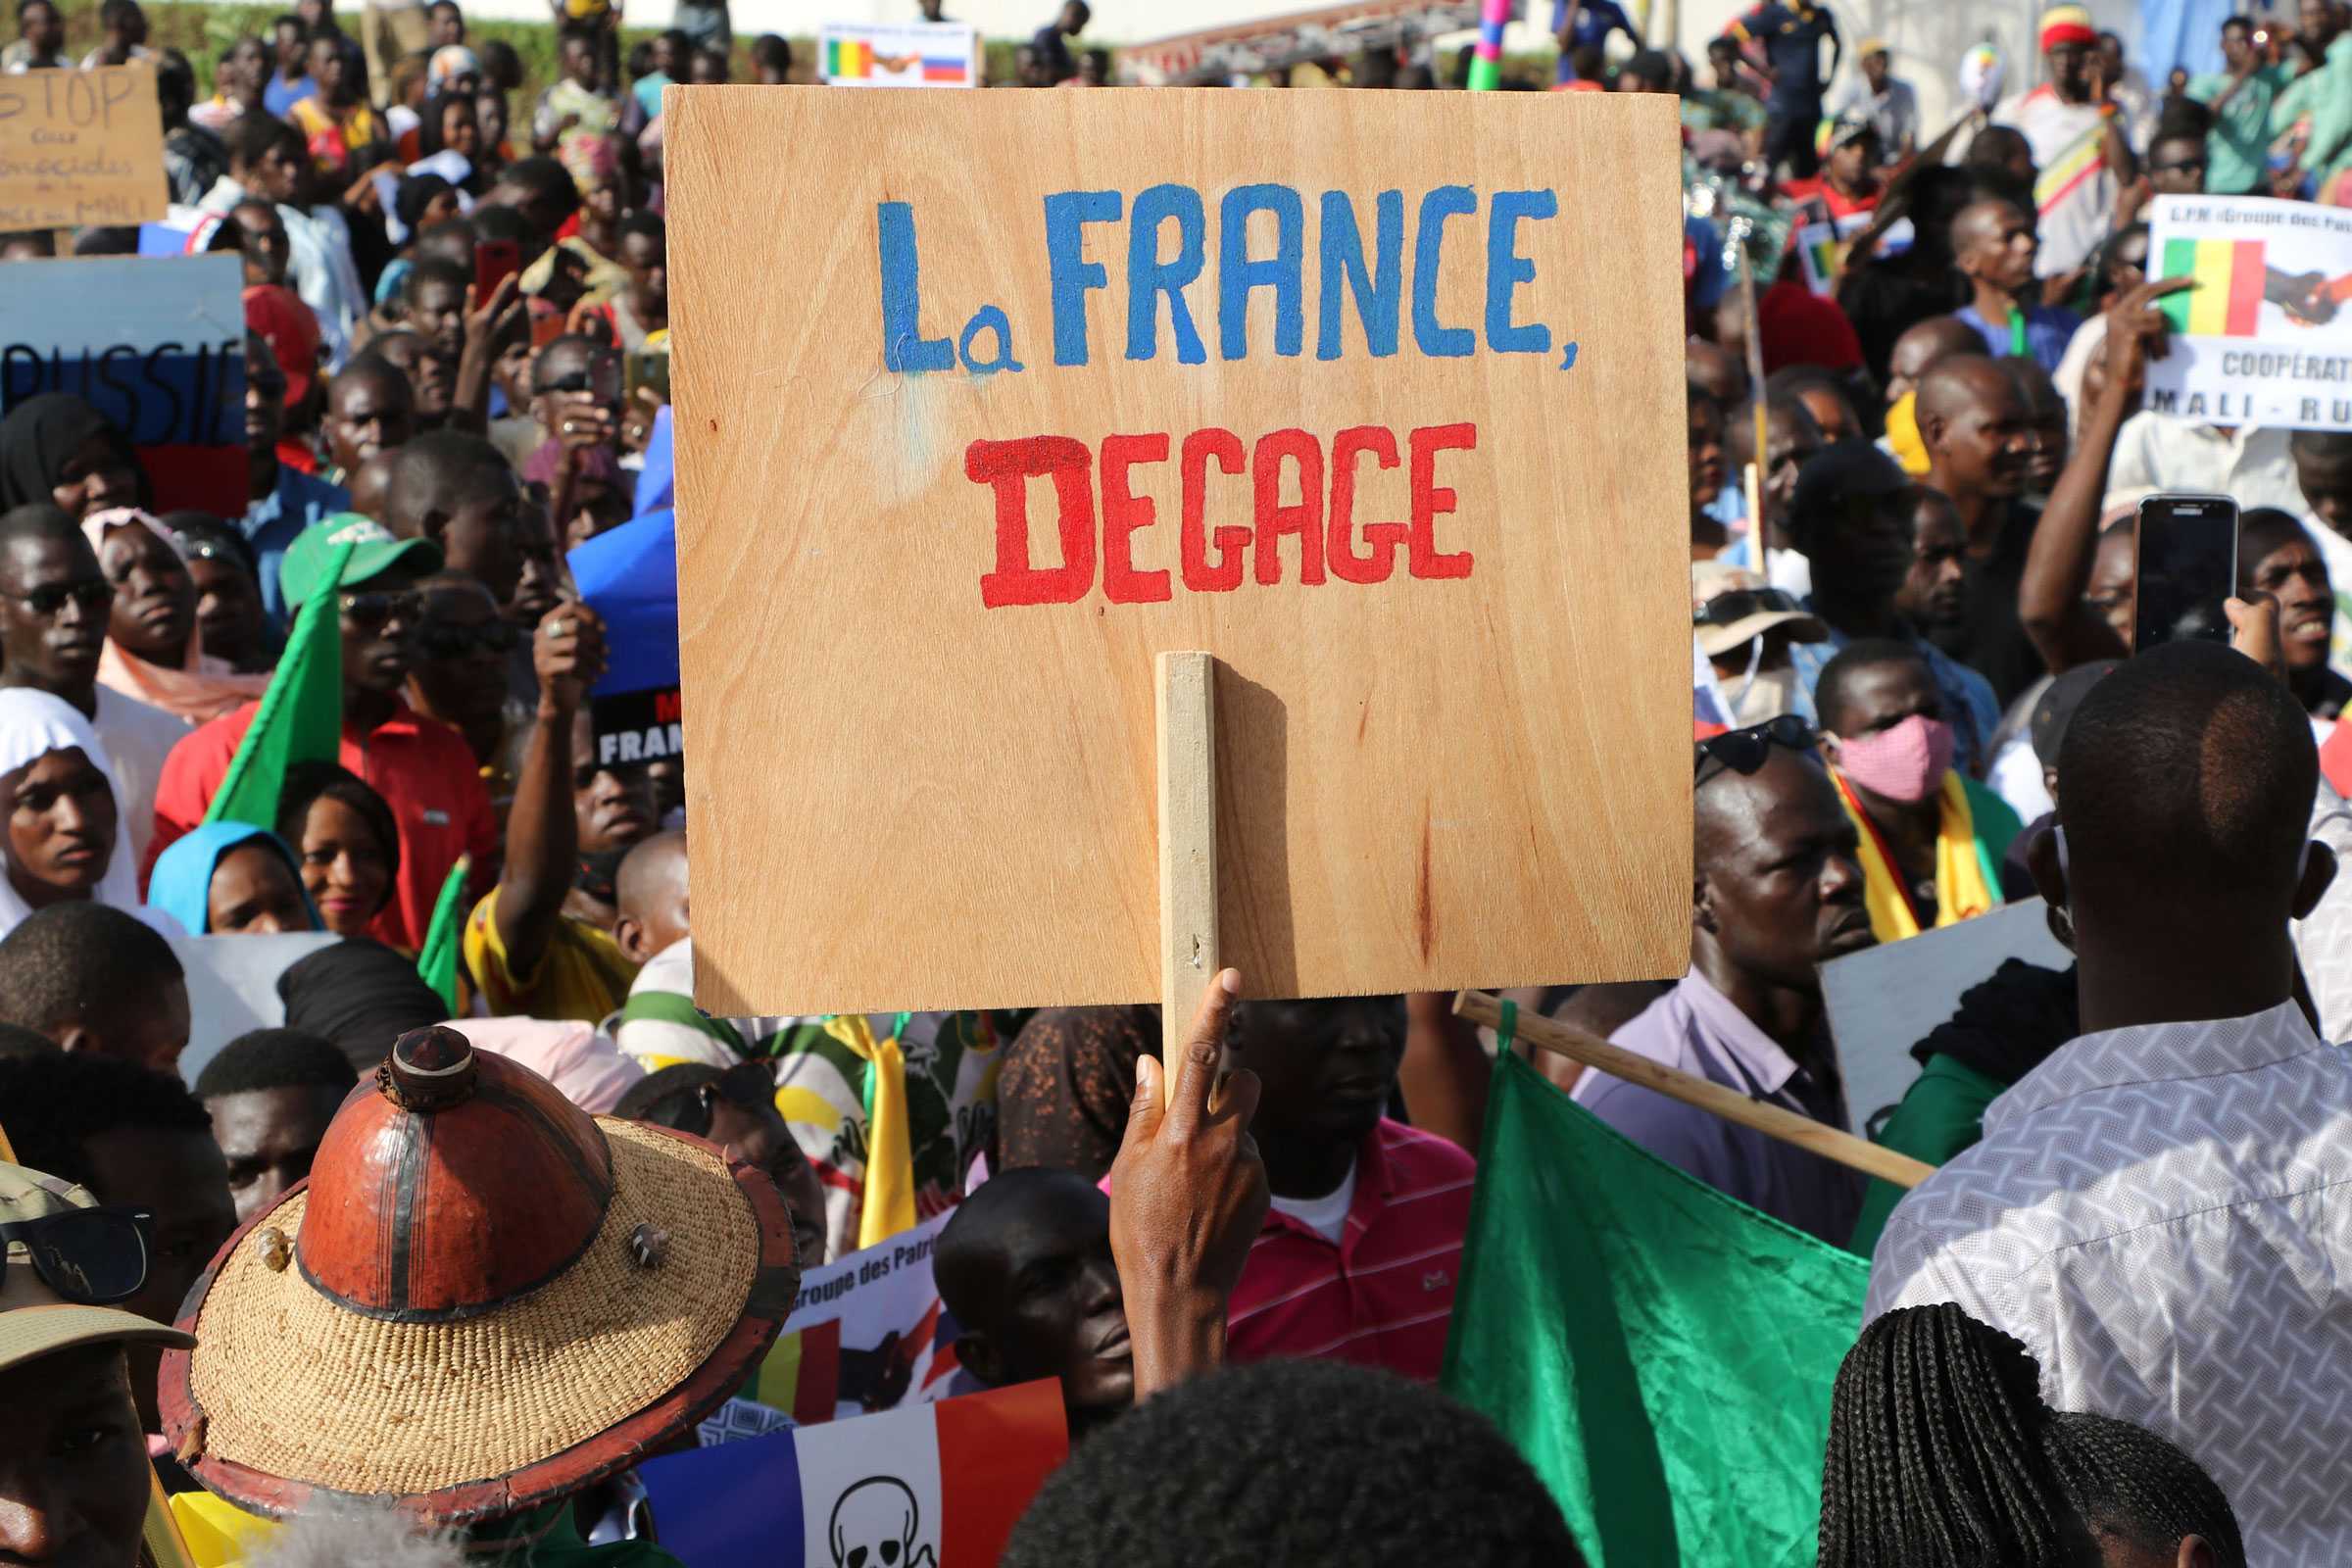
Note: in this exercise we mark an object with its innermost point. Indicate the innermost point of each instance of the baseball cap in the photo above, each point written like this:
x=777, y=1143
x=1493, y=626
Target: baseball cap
x=1755, y=605
x=35, y=1320
x=2055, y=708
x=1871, y=47
x=1839, y=129
x=375, y=551
x=291, y=330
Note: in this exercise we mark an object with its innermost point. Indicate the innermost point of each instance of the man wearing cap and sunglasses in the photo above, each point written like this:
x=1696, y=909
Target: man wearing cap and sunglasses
x=1744, y=627
x=1775, y=891
x=421, y=768
x=73, y=1476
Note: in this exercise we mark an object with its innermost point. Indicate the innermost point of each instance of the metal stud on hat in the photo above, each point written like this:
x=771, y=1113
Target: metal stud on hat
x=494, y=1300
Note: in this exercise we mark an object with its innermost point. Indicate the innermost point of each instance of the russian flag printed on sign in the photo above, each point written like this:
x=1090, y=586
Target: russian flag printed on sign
x=926, y=1486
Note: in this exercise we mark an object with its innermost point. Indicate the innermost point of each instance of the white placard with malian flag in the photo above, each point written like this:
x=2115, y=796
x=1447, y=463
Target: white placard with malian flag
x=2265, y=337
x=899, y=54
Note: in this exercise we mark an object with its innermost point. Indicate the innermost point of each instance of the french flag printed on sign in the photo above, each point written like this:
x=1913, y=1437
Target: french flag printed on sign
x=926, y=1486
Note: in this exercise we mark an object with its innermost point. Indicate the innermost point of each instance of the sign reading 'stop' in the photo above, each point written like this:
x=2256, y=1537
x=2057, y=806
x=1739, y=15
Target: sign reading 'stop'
x=985, y=398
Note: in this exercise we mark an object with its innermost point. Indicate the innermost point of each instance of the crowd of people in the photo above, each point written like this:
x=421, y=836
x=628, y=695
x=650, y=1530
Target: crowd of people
x=2111, y=1328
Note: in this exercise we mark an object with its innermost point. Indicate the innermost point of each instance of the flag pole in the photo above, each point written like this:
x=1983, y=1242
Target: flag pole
x=1830, y=1143
x=1186, y=715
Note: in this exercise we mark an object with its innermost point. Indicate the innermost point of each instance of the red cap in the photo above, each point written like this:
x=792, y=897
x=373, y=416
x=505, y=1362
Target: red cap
x=1801, y=327
x=287, y=325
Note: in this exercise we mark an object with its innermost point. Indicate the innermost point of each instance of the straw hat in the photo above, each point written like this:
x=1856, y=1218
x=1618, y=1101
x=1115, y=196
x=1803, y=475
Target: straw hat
x=483, y=1299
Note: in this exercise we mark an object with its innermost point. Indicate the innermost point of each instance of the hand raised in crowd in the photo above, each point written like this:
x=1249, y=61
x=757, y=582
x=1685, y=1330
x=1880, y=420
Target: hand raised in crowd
x=637, y=419
x=1188, y=1195
x=488, y=321
x=2136, y=332
x=582, y=424
x=567, y=653
x=2254, y=629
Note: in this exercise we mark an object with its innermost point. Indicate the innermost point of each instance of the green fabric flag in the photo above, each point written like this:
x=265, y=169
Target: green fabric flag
x=1662, y=1355
x=437, y=960
x=301, y=717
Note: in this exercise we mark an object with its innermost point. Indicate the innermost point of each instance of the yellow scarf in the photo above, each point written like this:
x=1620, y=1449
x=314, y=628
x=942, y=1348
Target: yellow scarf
x=1964, y=886
x=888, y=1204
x=1902, y=434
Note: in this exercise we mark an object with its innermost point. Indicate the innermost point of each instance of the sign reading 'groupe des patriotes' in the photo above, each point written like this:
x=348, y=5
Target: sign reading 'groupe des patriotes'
x=1375, y=397
x=80, y=147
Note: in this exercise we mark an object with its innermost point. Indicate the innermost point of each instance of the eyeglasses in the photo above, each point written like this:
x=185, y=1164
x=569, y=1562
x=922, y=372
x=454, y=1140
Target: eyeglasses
x=1731, y=608
x=90, y=1256
x=438, y=639
x=92, y=595
x=1743, y=751
x=369, y=610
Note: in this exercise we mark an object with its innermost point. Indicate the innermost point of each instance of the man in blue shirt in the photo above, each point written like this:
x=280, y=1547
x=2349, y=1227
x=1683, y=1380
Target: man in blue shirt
x=1995, y=247
x=1789, y=33
x=1587, y=24
x=284, y=500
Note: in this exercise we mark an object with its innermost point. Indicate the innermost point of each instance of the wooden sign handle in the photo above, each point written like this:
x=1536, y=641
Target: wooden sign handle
x=1186, y=710
x=1830, y=1143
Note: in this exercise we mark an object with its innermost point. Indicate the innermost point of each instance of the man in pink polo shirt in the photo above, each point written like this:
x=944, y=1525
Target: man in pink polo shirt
x=1360, y=1253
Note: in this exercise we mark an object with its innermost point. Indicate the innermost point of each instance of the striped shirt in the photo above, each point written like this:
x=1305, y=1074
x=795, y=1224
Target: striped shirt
x=1384, y=1295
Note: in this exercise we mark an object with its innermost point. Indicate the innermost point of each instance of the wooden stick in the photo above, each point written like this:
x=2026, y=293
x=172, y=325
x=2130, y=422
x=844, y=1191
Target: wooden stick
x=1830, y=1143
x=1188, y=846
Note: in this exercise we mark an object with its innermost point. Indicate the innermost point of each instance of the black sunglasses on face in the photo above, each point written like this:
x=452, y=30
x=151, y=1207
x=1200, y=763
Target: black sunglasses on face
x=1731, y=608
x=50, y=598
x=1743, y=751
x=369, y=610
x=91, y=1255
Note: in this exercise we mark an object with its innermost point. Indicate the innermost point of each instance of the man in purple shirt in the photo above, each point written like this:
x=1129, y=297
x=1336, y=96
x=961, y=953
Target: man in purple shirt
x=1778, y=890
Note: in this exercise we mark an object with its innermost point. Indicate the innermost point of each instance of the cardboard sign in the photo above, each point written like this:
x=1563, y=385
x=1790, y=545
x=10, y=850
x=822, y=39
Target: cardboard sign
x=899, y=54
x=80, y=147
x=994, y=397
x=2266, y=335
x=155, y=345
x=1885, y=999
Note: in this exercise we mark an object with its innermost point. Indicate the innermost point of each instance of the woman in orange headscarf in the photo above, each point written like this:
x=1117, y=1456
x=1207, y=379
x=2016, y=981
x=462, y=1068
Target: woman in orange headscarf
x=152, y=648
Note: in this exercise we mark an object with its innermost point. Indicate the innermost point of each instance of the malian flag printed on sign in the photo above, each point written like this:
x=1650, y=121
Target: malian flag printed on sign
x=928, y=1486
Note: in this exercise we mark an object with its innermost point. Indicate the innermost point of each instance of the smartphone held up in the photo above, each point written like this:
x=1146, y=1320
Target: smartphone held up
x=2186, y=550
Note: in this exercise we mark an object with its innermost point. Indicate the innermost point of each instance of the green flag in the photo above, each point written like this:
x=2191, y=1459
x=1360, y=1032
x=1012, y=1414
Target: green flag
x=437, y=960
x=301, y=717
x=1662, y=1353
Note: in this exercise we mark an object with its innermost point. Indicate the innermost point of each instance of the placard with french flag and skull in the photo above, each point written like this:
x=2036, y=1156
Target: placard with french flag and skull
x=926, y=1486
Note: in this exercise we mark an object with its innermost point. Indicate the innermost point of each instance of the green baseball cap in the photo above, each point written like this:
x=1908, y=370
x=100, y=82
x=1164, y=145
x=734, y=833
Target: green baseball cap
x=375, y=551
x=35, y=1320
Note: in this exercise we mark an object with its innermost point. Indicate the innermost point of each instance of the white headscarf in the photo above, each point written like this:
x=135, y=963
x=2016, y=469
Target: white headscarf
x=32, y=724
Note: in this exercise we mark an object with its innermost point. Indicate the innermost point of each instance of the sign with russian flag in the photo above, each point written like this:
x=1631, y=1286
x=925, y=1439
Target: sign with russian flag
x=899, y=54
x=937, y=1485
x=157, y=345
x=2264, y=334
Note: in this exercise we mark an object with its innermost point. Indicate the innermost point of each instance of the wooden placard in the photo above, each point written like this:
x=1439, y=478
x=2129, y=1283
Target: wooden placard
x=80, y=147
x=1425, y=403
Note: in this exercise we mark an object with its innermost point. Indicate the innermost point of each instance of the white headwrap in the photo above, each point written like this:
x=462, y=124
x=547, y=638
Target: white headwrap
x=32, y=724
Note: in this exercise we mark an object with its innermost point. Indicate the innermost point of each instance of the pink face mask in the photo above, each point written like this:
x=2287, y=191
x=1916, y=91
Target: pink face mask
x=1905, y=762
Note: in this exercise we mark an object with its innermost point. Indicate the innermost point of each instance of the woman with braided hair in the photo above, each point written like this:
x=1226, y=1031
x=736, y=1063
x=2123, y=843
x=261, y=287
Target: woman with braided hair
x=1942, y=1454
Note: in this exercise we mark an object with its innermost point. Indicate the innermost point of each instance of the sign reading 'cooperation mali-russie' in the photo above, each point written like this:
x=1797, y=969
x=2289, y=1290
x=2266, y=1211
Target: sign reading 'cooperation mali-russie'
x=984, y=400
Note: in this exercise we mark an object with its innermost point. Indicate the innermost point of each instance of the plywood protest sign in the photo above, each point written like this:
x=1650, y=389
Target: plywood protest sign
x=987, y=400
x=2265, y=338
x=155, y=345
x=899, y=54
x=80, y=147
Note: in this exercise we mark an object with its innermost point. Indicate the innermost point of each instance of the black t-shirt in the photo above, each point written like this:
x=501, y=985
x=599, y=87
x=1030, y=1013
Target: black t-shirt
x=1994, y=643
x=1791, y=35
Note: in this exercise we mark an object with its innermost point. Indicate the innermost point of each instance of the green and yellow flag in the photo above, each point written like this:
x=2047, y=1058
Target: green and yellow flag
x=1662, y=1353
x=301, y=717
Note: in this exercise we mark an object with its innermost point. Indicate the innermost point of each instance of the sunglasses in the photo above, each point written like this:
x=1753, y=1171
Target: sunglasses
x=1731, y=608
x=50, y=598
x=747, y=1083
x=1743, y=751
x=441, y=640
x=91, y=1255
x=368, y=611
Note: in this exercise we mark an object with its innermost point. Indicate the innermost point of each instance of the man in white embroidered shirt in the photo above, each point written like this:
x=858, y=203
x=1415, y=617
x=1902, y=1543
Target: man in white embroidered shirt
x=2158, y=1210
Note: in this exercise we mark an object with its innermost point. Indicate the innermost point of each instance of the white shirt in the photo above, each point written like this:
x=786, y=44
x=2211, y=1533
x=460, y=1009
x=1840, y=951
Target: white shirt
x=2073, y=190
x=2160, y=1215
x=2163, y=452
x=2323, y=938
x=1893, y=114
x=1326, y=1216
x=138, y=736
